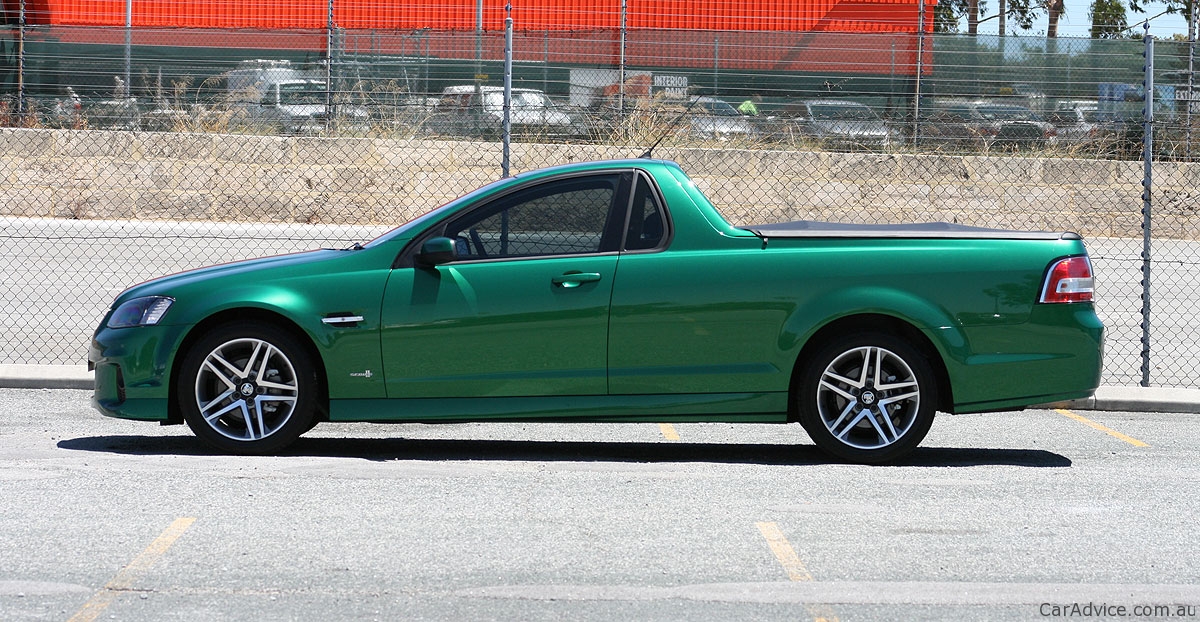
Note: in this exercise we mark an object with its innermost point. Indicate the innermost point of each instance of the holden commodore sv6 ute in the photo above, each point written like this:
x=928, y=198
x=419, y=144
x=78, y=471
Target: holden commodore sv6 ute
x=611, y=291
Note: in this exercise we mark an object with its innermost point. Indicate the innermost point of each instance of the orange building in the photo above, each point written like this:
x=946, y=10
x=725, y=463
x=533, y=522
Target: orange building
x=874, y=16
x=831, y=37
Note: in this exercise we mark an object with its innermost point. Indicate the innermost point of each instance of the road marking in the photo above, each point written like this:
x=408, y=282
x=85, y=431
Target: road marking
x=124, y=580
x=795, y=568
x=784, y=553
x=1109, y=431
x=668, y=431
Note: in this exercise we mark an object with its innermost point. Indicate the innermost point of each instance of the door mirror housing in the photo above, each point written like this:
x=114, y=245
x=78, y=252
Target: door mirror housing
x=437, y=251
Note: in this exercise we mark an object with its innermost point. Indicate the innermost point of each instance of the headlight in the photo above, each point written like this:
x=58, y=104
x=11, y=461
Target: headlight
x=146, y=311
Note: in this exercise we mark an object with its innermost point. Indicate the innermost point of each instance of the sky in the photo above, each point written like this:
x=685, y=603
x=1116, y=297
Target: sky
x=1075, y=23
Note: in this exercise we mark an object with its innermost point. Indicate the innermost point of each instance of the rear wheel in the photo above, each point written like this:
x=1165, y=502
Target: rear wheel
x=248, y=388
x=867, y=398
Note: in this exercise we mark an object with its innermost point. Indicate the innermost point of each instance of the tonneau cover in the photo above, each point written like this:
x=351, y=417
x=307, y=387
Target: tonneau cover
x=944, y=230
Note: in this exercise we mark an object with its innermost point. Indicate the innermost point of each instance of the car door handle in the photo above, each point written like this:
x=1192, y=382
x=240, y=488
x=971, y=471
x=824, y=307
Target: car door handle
x=575, y=279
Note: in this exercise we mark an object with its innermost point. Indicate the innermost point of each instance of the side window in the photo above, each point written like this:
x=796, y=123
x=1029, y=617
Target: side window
x=562, y=217
x=647, y=222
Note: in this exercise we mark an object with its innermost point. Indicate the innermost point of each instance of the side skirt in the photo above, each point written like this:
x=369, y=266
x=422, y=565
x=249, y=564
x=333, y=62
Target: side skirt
x=715, y=407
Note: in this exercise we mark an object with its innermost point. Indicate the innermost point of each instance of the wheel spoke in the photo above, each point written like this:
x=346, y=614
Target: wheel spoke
x=849, y=426
x=898, y=398
x=229, y=382
x=205, y=407
x=896, y=385
x=887, y=420
x=845, y=412
x=217, y=415
x=250, y=422
x=836, y=389
x=276, y=385
x=258, y=349
x=216, y=356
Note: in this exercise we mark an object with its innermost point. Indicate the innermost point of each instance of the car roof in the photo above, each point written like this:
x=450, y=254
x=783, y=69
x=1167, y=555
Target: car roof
x=596, y=165
x=470, y=88
x=835, y=102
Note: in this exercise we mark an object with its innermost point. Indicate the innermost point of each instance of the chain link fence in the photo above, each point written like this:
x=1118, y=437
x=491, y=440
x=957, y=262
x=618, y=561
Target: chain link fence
x=187, y=147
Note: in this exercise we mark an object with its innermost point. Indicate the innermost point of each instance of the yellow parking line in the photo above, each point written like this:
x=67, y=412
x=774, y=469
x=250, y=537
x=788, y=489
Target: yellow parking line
x=128, y=575
x=1109, y=431
x=784, y=553
x=795, y=568
x=668, y=431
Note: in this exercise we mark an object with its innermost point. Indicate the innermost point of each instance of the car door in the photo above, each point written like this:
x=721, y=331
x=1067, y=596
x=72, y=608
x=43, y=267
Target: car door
x=522, y=310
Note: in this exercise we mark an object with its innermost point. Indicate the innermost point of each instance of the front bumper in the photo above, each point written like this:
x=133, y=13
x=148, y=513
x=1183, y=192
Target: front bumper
x=133, y=370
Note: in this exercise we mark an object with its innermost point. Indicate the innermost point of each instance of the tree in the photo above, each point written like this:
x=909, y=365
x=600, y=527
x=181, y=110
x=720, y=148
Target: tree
x=1109, y=19
x=1173, y=6
x=1054, y=10
x=948, y=13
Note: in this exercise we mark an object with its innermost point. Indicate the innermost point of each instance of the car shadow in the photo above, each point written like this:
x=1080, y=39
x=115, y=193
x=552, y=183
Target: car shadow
x=386, y=449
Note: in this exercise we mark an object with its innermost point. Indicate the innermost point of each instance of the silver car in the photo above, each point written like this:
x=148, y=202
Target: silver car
x=843, y=124
x=716, y=119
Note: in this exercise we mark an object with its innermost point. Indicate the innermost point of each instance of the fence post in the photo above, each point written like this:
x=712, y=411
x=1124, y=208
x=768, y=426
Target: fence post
x=21, y=63
x=716, y=65
x=920, y=70
x=1147, y=199
x=128, y=47
x=1191, y=90
x=329, y=67
x=621, y=66
x=506, y=137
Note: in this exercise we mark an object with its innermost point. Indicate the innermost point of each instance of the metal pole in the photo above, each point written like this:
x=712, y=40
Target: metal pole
x=1147, y=183
x=478, y=41
x=128, y=45
x=506, y=138
x=621, y=67
x=716, y=65
x=21, y=64
x=1191, y=90
x=920, y=70
x=329, y=67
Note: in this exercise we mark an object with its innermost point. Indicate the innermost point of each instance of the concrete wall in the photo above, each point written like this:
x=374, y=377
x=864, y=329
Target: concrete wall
x=122, y=175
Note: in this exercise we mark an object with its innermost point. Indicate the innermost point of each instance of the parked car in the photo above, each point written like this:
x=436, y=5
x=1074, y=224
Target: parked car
x=1075, y=121
x=610, y=291
x=1003, y=125
x=478, y=111
x=1078, y=124
x=940, y=130
x=271, y=94
x=716, y=119
x=839, y=124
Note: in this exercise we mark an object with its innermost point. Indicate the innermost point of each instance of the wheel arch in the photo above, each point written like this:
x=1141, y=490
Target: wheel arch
x=242, y=315
x=873, y=322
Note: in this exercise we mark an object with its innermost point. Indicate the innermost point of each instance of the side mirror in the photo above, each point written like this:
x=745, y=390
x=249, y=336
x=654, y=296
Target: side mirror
x=436, y=251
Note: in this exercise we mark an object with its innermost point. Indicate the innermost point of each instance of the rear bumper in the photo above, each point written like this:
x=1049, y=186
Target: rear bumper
x=1056, y=356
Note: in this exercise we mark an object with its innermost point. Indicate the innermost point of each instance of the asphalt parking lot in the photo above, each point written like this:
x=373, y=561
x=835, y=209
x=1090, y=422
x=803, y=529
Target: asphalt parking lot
x=1003, y=516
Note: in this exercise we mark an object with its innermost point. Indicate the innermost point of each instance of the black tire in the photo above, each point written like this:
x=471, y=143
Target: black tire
x=248, y=388
x=839, y=402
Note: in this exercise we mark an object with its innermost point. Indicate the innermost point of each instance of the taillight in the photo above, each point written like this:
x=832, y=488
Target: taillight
x=1069, y=280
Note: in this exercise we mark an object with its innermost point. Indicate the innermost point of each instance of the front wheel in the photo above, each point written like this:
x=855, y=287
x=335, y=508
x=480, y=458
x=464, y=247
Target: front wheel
x=248, y=388
x=867, y=398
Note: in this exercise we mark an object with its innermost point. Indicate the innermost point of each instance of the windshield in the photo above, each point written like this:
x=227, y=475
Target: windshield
x=521, y=100
x=842, y=112
x=717, y=107
x=1014, y=113
x=300, y=93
